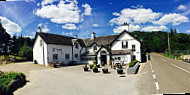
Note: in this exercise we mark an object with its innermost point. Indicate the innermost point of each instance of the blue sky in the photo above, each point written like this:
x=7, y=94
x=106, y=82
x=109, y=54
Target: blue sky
x=82, y=17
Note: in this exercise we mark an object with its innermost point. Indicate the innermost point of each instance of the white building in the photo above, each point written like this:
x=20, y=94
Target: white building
x=53, y=48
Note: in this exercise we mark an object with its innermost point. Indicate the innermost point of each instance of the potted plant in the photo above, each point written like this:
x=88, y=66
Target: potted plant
x=95, y=69
x=94, y=62
x=91, y=66
x=110, y=62
x=120, y=70
x=105, y=70
x=85, y=67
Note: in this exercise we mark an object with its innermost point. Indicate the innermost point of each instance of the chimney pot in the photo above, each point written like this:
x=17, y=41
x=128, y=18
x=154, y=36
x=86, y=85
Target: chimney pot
x=93, y=35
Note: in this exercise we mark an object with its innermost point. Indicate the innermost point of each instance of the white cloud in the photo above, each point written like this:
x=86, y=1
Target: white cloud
x=68, y=33
x=182, y=7
x=116, y=14
x=137, y=6
x=40, y=24
x=11, y=27
x=45, y=2
x=30, y=0
x=87, y=10
x=173, y=18
x=135, y=16
x=154, y=28
x=95, y=25
x=64, y=12
x=70, y=26
x=131, y=28
x=188, y=31
x=44, y=27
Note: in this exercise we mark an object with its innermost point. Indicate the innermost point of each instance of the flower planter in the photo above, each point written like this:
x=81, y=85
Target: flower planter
x=91, y=66
x=105, y=71
x=85, y=69
x=133, y=69
x=119, y=71
x=95, y=70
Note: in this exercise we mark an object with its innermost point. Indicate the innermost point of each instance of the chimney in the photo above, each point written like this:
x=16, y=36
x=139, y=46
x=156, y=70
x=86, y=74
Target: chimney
x=93, y=35
x=76, y=36
x=39, y=29
x=125, y=26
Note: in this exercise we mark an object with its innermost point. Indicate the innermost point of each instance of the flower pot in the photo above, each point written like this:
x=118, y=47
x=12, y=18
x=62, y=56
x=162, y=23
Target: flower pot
x=105, y=71
x=95, y=70
x=85, y=69
x=119, y=71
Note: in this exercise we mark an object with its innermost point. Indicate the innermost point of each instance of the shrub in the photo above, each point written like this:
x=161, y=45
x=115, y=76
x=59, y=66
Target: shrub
x=131, y=64
x=26, y=51
x=11, y=81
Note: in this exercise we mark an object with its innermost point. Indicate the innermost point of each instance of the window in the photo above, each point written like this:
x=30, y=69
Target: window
x=66, y=56
x=133, y=57
x=76, y=55
x=119, y=58
x=95, y=47
x=133, y=47
x=125, y=44
x=76, y=46
x=55, y=56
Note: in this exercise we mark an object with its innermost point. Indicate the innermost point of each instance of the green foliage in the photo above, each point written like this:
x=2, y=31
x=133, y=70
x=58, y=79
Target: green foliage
x=6, y=78
x=95, y=67
x=157, y=41
x=170, y=56
x=94, y=61
x=109, y=61
x=26, y=51
x=131, y=64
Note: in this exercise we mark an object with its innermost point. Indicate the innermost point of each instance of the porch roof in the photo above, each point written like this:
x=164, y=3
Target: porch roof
x=121, y=52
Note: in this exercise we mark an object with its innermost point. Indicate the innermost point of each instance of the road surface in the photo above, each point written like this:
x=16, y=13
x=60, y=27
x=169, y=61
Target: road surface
x=170, y=76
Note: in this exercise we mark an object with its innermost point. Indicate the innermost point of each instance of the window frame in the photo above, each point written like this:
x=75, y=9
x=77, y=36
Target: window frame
x=67, y=56
x=55, y=56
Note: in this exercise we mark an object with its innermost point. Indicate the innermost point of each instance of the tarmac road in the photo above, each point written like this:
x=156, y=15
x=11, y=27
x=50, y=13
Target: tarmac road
x=171, y=76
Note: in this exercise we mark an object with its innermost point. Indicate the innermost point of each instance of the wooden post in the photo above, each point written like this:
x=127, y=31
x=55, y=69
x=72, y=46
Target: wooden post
x=169, y=44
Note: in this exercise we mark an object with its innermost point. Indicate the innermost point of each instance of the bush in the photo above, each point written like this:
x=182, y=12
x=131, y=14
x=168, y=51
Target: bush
x=26, y=51
x=170, y=56
x=11, y=81
x=131, y=64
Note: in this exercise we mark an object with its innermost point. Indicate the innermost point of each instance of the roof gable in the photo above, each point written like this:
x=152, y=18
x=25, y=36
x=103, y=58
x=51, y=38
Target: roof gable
x=122, y=34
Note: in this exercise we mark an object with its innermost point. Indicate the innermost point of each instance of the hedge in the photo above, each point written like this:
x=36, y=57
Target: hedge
x=131, y=64
x=11, y=81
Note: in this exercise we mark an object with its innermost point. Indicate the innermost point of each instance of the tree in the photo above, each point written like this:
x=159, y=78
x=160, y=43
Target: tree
x=26, y=51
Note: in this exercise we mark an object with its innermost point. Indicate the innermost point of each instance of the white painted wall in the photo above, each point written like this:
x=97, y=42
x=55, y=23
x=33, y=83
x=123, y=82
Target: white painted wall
x=77, y=51
x=65, y=49
x=117, y=45
x=91, y=49
x=38, y=51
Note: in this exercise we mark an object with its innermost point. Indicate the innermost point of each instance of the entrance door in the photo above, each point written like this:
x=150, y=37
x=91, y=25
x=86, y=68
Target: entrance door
x=103, y=59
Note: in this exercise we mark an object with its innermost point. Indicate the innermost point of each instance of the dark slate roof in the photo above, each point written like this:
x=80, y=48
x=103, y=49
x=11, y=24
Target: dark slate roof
x=102, y=40
x=56, y=39
x=119, y=52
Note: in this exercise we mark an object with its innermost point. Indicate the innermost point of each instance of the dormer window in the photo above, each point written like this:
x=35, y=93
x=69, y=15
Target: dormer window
x=76, y=46
x=95, y=47
x=124, y=44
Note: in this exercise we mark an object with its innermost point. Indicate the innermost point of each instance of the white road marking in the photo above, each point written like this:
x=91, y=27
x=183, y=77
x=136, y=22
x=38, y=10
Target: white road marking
x=154, y=76
x=152, y=71
x=157, y=86
x=180, y=68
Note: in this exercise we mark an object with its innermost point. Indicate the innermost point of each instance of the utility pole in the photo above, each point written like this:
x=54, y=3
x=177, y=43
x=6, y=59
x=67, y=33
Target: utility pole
x=169, y=49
